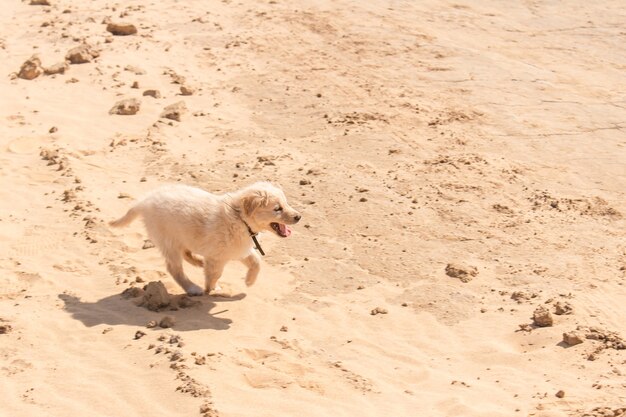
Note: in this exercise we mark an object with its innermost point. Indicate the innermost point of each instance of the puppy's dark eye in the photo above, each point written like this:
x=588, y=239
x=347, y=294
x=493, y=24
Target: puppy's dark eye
x=278, y=208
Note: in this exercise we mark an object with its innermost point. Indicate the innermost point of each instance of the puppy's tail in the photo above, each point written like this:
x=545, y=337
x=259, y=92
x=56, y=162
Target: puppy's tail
x=195, y=260
x=127, y=218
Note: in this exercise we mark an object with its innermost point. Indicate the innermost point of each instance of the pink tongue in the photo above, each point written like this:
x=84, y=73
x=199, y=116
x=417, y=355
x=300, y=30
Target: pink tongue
x=284, y=229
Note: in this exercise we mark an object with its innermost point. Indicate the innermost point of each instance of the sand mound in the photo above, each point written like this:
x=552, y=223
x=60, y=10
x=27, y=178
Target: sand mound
x=155, y=297
x=463, y=272
x=31, y=68
x=126, y=107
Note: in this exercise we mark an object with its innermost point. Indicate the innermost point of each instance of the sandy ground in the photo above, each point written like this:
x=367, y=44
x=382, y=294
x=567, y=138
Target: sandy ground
x=411, y=135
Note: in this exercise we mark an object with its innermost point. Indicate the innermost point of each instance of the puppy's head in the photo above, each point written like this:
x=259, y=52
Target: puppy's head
x=264, y=207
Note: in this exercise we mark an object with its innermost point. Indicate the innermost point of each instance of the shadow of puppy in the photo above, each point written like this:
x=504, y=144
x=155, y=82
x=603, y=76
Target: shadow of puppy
x=115, y=310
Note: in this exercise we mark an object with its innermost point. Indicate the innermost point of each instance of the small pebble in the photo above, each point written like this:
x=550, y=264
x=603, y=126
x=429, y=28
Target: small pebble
x=573, y=338
x=121, y=29
x=378, y=310
x=186, y=90
x=152, y=93
x=176, y=356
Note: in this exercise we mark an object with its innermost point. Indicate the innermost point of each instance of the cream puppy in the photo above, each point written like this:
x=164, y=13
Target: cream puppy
x=183, y=221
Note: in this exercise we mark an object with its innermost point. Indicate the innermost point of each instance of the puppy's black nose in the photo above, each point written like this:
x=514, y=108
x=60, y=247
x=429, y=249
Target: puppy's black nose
x=297, y=218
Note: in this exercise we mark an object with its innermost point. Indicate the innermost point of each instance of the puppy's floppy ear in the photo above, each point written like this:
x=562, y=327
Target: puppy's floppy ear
x=254, y=199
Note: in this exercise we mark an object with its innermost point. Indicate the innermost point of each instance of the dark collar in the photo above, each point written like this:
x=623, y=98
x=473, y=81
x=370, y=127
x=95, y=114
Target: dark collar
x=253, y=235
x=254, y=239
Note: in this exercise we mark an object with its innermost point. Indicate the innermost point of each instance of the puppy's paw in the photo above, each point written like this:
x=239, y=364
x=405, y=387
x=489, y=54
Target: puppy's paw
x=194, y=289
x=214, y=290
x=219, y=292
x=250, y=281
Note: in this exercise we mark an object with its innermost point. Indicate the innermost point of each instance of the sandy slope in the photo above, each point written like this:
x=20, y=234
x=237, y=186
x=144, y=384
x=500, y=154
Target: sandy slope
x=411, y=135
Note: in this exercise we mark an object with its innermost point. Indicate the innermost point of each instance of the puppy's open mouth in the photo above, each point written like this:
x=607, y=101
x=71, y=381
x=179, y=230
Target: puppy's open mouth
x=281, y=230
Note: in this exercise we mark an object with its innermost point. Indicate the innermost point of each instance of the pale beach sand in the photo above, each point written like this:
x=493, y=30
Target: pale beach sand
x=411, y=136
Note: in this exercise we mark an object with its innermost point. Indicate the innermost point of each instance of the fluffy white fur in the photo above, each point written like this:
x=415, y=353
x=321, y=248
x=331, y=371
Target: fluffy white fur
x=183, y=221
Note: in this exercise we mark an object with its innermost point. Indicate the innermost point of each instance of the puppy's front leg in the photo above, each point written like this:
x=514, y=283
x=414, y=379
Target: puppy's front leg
x=253, y=262
x=212, y=272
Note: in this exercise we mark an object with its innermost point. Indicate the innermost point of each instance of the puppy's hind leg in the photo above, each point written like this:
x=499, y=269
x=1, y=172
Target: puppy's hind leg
x=253, y=262
x=174, y=261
